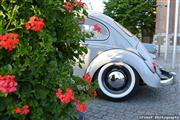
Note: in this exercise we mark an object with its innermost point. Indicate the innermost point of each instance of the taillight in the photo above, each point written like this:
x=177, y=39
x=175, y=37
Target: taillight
x=154, y=66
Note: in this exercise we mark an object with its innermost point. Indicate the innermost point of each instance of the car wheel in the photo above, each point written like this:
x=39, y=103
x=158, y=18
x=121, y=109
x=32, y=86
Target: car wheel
x=117, y=81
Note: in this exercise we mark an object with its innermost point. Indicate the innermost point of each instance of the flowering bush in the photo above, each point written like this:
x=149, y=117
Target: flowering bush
x=39, y=45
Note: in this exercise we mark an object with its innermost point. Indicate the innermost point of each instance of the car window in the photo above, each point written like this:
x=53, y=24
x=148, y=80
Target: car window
x=97, y=30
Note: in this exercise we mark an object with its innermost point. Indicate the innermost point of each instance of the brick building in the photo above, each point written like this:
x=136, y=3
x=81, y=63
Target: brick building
x=160, y=31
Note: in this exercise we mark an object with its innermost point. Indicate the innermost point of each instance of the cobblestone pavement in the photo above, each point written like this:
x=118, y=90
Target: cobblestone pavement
x=146, y=101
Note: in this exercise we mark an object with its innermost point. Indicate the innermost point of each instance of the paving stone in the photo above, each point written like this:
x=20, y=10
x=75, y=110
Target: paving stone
x=147, y=101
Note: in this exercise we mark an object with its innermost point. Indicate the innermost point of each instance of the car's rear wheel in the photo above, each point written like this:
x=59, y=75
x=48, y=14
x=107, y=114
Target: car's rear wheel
x=117, y=81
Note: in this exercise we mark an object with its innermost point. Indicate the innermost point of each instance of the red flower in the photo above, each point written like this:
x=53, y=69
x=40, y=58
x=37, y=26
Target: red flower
x=82, y=107
x=8, y=41
x=28, y=26
x=69, y=6
x=97, y=28
x=17, y=110
x=67, y=97
x=95, y=94
x=35, y=23
x=26, y=109
x=7, y=84
x=82, y=4
x=33, y=18
x=87, y=77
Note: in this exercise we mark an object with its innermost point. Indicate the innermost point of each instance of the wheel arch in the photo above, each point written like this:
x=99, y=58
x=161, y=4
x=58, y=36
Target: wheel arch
x=119, y=55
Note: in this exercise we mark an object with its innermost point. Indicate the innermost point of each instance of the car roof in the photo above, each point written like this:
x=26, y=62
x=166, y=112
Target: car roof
x=101, y=16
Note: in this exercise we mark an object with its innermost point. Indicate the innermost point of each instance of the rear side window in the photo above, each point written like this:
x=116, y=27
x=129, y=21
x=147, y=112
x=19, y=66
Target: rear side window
x=97, y=30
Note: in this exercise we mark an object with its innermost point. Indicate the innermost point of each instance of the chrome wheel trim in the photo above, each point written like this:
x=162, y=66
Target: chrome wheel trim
x=110, y=94
x=116, y=79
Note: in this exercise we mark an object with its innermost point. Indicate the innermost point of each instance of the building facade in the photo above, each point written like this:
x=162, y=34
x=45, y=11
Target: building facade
x=160, y=31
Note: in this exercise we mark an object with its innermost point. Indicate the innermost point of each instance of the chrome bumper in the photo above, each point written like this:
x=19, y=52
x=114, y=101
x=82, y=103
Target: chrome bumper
x=167, y=78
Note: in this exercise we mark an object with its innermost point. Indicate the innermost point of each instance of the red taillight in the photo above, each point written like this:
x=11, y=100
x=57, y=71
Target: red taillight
x=154, y=66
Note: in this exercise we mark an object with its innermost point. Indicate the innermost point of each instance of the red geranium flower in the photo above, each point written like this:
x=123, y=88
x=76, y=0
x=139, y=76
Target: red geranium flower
x=69, y=6
x=82, y=4
x=7, y=84
x=17, y=110
x=87, y=78
x=35, y=23
x=28, y=26
x=66, y=97
x=24, y=111
x=82, y=107
x=8, y=41
x=95, y=94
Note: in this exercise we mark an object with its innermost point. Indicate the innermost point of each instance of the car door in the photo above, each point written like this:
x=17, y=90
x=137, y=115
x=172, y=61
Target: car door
x=95, y=44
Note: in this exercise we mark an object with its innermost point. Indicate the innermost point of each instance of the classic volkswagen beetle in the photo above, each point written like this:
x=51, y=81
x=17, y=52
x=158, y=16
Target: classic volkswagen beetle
x=118, y=60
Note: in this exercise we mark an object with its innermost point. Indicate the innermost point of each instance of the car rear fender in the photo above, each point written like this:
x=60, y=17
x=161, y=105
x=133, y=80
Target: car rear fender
x=128, y=57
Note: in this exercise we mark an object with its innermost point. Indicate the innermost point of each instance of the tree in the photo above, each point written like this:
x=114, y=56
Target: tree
x=138, y=16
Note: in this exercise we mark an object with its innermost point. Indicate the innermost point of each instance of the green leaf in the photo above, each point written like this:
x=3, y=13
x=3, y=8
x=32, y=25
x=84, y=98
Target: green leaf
x=3, y=94
x=2, y=14
x=41, y=92
x=2, y=103
x=4, y=5
x=31, y=1
x=1, y=26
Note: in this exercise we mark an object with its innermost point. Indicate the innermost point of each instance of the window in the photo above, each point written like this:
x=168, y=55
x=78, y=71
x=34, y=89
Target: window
x=97, y=30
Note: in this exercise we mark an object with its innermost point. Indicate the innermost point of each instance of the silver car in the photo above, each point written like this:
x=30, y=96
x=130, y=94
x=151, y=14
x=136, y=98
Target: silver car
x=117, y=60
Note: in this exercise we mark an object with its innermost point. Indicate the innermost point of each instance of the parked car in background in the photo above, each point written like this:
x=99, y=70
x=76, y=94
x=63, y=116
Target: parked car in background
x=152, y=49
x=118, y=60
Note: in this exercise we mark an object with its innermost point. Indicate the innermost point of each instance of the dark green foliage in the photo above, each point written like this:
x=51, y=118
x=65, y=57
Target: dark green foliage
x=41, y=62
x=138, y=16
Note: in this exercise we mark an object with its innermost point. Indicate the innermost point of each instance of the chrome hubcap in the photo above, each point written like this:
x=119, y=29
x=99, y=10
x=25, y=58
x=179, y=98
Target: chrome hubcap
x=116, y=79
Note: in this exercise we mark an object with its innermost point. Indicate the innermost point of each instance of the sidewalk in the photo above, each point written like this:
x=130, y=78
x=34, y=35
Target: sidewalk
x=168, y=64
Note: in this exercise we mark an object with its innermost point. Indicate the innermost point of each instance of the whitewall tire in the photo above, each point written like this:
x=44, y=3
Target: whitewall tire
x=117, y=81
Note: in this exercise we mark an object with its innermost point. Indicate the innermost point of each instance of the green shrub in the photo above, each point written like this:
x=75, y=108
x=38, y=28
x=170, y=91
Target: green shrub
x=37, y=58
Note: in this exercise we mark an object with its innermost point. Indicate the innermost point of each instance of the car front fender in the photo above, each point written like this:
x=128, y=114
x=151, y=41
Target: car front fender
x=128, y=57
